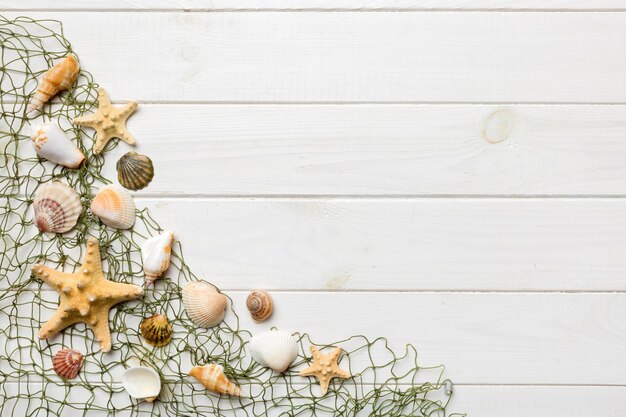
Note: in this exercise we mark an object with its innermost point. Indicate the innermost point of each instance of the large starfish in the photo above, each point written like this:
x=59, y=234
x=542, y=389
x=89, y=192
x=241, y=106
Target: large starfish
x=86, y=296
x=325, y=367
x=109, y=121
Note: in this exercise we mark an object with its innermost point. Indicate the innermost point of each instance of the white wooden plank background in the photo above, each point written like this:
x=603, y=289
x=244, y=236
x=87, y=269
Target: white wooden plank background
x=453, y=176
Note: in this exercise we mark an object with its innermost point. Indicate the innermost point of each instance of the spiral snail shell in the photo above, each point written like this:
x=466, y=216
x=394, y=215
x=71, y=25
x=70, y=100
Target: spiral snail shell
x=259, y=304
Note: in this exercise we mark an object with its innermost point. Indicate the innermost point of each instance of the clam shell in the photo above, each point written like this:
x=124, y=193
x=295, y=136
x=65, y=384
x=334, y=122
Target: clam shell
x=155, y=254
x=115, y=207
x=142, y=383
x=53, y=144
x=213, y=378
x=57, y=207
x=67, y=363
x=274, y=349
x=134, y=171
x=204, y=305
x=156, y=330
x=260, y=305
x=58, y=78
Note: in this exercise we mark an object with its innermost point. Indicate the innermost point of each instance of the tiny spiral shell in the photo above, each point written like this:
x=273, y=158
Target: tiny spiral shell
x=58, y=78
x=259, y=304
x=67, y=363
x=156, y=330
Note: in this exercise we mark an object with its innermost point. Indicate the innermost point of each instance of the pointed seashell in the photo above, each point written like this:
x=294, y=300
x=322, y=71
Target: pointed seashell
x=204, y=305
x=67, y=363
x=142, y=383
x=260, y=305
x=58, y=78
x=274, y=349
x=134, y=171
x=57, y=207
x=156, y=253
x=213, y=378
x=156, y=330
x=115, y=207
x=53, y=144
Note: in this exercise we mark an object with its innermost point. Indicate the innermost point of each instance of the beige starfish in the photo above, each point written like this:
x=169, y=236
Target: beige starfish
x=325, y=367
x=86, y=296
x=109, y=121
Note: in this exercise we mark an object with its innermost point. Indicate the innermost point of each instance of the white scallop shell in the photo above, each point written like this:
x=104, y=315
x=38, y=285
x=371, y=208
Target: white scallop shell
x=142, y=383
x=204, y=305
x=156, y=253
x=53, y=144
x=274, y=349
x=57, y=207
x=115, y=207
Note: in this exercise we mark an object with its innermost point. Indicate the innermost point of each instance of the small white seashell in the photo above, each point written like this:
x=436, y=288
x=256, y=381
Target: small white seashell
x=156, y=253
x=142, y=383
x=115, y=207
x=204, y=305
x=53, y=144
x=57, y=207
x=274, y=349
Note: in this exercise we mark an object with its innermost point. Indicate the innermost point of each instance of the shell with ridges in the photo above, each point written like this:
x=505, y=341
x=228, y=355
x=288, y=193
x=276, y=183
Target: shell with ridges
x=213, y=378
x=157, y=330
x=67, y=363
x=58, y=78
x=260, y=305
x=204, y=305
x=134, y=171
x=142, y=383
x=274, y=349
x=155, y=254
x=57, y=207
x=115, y=207
x=52, y=143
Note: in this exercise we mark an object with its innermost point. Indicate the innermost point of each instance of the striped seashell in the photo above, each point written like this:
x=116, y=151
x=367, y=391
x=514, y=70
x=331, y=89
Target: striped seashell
x=134, y=171
x=57, y=207
x=67, y=363
x=213, y=378
x=260, y=305
x=204, y=305
x=155, y=254
x=274, y=349
x=156, y=330
x=53, y=144
x=58, y=78
x=115, y=207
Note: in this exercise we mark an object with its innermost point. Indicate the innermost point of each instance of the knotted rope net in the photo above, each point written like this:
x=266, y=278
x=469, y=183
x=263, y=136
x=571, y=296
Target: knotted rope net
x=384, y=383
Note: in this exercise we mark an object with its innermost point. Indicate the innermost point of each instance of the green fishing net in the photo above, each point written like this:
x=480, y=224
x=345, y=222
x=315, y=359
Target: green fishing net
x=384, y=383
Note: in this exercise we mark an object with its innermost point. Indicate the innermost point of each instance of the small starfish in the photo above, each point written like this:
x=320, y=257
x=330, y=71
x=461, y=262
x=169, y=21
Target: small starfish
x=325, y=367
x=109, y=121
x=86, y=296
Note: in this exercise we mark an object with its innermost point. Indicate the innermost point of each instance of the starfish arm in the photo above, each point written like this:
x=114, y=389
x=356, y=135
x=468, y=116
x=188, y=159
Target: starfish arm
x=310, y=371
x=127, y=137
x=92, y=262
x=101, y=329
x=315, y=352
x=103, y=99
x=334, y=356
x=59, y=321
x=102, y=138
x=118, y=292
x=128, y=109
x=342, y=373
x=89, y=120
x=50, y=276
x=324, y=385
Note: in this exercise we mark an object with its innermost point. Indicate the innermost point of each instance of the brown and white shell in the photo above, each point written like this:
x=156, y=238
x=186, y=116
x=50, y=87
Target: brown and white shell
x=57, y=207
x=58, y=78
x=115, y=207
x=213, y=378
x=157, y=330
x=156, y=253
x=260, y=305
x=204, y=305
x=67, y=363
x=134, y=171
x=52, y=143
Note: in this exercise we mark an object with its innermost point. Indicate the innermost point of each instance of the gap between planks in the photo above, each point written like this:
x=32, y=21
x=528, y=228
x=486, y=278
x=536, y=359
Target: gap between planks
x=320, y=10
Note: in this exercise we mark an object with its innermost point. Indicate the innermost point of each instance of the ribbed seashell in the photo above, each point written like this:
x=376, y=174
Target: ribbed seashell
x=156, y=253
x=134, y=171
x=67, y=363
x=53, y=144
x=204, y=305
x=274, y=349
x=142, y=383
x=58, y=78
x=213, y=378
x=115, y=207
x=157, y=330
x=57, y=207
x=260, y=305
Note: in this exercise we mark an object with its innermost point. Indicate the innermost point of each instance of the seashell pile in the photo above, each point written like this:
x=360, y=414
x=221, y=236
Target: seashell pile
x=155, y=254
x=213, y=378
x=134, y=171
x=142, y=383
x=53, y=144
x=115, y=207
x=156, y=330
x=204, y=305
x=67, y=363
x=260, y=305
x=57, y=207
x=274, y=349
x=58, y=78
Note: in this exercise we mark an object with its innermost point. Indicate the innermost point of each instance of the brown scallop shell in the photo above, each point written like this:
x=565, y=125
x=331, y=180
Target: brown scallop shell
x=134, y=171
x=259, y=304
x=67, y=363
x=156, y=330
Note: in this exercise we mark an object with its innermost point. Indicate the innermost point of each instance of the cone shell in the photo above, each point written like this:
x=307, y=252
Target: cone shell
x=204, y=305
x=53, y=144
x=134, y=171
x=213, y=378
x=58, y=78
x=274, y=349
x=156, y=330
x=115, y=207
x=67, y=363
x=142, y=383
x=155, y=254
x=57, y=207
x=260, y=305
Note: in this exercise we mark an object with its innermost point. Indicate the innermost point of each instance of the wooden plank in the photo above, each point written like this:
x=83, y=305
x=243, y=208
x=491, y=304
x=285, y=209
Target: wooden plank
x=353, y=57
